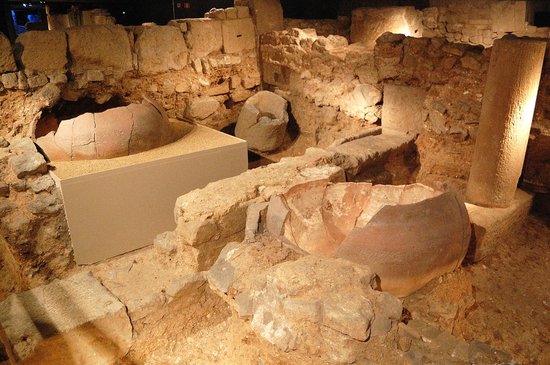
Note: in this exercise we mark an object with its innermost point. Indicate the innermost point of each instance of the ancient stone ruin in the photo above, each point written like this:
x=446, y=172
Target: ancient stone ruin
x=275, y=183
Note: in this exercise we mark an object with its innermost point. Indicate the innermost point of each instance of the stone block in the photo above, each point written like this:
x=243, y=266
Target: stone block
x=360, y=154
x=216, y=14
x=74, y=319
x=243, y=11
x=204, y=36
x=161, y=49
x=42, y=51
x=238, y=35
x=491, y=226
x=367, y=24
x=7, y=62
x=28, y=164
x=231, y=13
x=9, y=80
x=99, y=47
x=403, y=108
x=202, y=108
x=268, y=15
x=263, y=121
x=37, y=81
x=316, y=306
x=181, y=24
x=508, y=16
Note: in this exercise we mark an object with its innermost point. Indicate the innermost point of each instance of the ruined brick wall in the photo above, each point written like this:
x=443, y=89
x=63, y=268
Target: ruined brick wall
x=453, y=75
x=326, y=80
x=34, y=236
x=477, y=22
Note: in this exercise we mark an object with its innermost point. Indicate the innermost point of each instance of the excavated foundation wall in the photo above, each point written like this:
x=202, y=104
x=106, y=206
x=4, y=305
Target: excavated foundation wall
x=479, y=21
x=335, y=88
x=198, y=69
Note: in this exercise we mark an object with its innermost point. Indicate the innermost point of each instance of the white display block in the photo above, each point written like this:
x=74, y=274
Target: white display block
x=118, y=205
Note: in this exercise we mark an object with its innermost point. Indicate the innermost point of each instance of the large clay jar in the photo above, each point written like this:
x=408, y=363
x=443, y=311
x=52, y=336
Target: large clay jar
x=408, y=234
x=115, y=132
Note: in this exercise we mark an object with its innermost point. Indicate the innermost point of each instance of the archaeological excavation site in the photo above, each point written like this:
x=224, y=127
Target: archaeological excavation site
x=274, y=182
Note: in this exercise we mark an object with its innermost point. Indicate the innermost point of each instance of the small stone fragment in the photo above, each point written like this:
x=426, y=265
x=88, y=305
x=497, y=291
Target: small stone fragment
x=28, y=164
x=45, y=204
x=43, y=183
x=166, y=243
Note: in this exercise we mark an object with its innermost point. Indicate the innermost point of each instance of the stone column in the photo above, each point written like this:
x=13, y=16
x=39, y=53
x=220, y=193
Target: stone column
x=506, y=115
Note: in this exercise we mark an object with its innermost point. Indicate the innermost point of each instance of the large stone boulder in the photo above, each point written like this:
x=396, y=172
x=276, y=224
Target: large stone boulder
x=262, y=122
x=7, y=63
x=99, y=47
x=160, y=49
x=42, y=51
x=203, y=36
x=408, y=234
x=321, y=306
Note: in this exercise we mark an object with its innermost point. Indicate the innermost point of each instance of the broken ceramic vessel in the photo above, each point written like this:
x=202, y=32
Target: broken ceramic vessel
x=115, y=132
x=408, y=234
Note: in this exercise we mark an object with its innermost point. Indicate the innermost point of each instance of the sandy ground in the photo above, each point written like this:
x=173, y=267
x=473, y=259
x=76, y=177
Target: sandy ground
x=503, y=301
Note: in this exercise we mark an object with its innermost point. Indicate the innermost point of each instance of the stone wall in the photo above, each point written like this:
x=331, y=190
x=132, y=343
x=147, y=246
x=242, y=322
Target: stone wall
x=337, y=89
x=331, y=85
x=323, y=27
x=34, y=241
x=453, y=76
x=192, y=66
x=478, y=21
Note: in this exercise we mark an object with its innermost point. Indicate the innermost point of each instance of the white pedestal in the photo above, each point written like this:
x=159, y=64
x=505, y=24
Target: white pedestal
x=119, y=205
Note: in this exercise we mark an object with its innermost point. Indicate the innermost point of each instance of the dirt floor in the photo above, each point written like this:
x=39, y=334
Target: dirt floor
x=503, y=301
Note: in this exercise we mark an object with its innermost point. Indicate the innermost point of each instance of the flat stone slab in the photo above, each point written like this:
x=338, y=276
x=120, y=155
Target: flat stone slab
x=493, y=225
x=403, y=108
x=144, y=281
x=371, y=150
x=70, y=321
